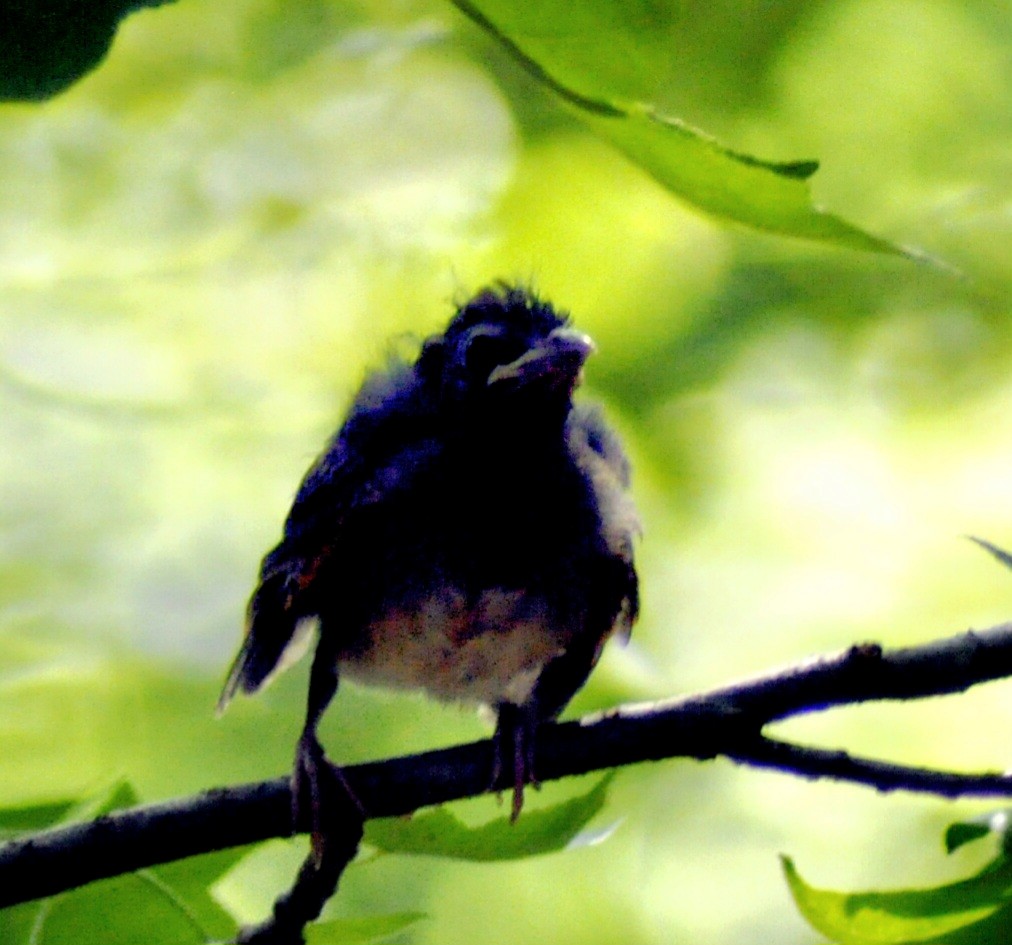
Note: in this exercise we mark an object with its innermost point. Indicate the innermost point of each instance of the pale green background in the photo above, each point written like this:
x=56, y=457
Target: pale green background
x=203, y=246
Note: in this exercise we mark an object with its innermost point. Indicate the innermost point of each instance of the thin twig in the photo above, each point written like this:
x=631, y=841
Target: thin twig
x=816, y=763
x=726, y=721
x=317, y=879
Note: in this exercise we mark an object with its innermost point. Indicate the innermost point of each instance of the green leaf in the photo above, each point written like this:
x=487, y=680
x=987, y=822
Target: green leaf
x=169, y=904
x=360, y=930
x=20, y=818
x=965, y=831
x=188, y=884
x=114, y=796
x=901, y=916
x=47, y=45
x=175, y=896
x=958, y=834
x=439, y=833
x=127, y=910
x=18, y=924
x=603, y=58
x=696, y=167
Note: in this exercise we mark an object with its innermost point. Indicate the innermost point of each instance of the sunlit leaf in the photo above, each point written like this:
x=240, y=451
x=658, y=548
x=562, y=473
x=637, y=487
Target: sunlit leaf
x=601, y=57
x=439, y=833
x=899, y=916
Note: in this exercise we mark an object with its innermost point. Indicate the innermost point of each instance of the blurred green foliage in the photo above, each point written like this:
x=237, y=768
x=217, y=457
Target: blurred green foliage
x=208, y=240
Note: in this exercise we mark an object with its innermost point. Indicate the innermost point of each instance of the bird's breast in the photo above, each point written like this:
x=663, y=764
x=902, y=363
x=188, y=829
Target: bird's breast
x=488, y=649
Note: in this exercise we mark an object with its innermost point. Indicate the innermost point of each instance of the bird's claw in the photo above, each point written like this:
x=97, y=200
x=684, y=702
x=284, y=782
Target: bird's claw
x=319, y=791
x=513, y=747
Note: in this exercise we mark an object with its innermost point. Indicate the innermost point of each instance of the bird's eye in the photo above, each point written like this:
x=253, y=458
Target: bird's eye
x=486, y=352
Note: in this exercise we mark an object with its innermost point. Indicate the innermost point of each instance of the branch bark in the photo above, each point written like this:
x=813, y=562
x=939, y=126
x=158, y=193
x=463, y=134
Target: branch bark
x=728, y=721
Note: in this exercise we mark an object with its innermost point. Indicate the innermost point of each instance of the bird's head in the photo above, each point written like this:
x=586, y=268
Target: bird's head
x=506, y=349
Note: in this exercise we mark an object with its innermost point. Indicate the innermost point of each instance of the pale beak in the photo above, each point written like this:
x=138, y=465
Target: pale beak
x=563, y=352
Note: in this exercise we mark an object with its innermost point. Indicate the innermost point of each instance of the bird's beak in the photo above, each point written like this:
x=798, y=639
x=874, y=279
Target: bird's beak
x=563, y=353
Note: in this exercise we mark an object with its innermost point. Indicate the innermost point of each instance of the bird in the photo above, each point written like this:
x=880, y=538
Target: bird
x=468, y=532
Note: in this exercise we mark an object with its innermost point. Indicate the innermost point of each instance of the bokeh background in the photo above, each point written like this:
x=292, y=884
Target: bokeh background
x=204, y=245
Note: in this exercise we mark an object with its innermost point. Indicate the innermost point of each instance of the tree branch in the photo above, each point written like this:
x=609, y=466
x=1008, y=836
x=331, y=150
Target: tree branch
x=726, y=721
x=318, y=877
x=817, y=763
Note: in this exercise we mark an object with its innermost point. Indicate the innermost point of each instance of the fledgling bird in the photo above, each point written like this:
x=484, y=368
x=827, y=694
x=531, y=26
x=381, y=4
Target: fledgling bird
x=467, y=532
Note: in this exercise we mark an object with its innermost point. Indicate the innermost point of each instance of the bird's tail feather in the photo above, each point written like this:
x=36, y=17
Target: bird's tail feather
x=277, y=635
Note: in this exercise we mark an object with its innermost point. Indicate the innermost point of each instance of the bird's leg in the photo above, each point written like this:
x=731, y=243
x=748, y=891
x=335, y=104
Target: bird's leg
x=513, y=746
x=316, y=781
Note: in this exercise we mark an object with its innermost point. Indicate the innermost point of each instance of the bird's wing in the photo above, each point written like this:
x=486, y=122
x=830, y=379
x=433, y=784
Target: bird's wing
x=612, y=590
x=599, y=453
x=592, y=432
x=277, y=627
x=343, y=484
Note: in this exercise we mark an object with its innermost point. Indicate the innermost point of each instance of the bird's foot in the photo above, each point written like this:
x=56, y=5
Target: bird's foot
x=320, y=793
x=513, y=747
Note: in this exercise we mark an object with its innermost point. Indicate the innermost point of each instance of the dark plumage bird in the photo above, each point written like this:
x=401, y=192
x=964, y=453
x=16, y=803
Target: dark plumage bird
x=466, y=532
